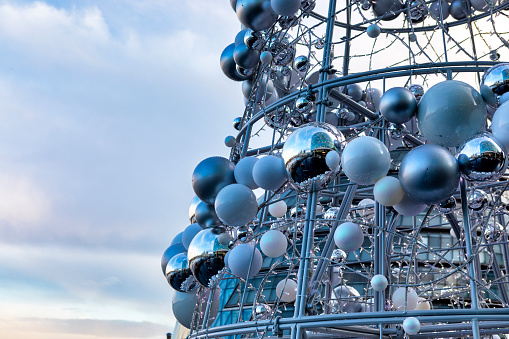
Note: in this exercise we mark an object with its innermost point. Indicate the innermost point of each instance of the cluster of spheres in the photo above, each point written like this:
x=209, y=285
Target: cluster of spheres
x=366, y=174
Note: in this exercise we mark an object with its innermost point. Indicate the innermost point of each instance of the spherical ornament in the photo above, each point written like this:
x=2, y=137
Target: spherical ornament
x=388, y=191
x=244, y=172
x=246, y=57
x=301, y=63
x=434, y=9
x=500, y=124
x=422, y=305
x=285, y=7
x=349, y=293
x=210, y=176
x=248, y=72
x=266, y=57
x=338, y=256
x=482, y=158
x=236, y=205
x=286, y=290
x=269, y=172
x=297, y=211
x=494, y=232
x=256, y=14
x=273, y=244
x=349, y=237
x=494, y=56
x=495, y=83
x=372, y=98
x=183, y=305
x=477, y=200
x=244, y=233
x=319, y=43
x=303, y=104
x=169, y=253
x=286, y=22
x=260, y=91
x=387, y=9
x=177, y=239
x=206, y=257
x=411, y=325
x=206, y=215
x=365, y=5
x=332, y=160
x=229, y=66
x=379, y=282
x=365, y=160
x=417, y=91
x=373, y=31
x=396, y=131
x=230, y=141
x=459, y=9
x=403, y=296
x=331, y=214
x=354, y=91
x=239, y=38
x=278, y=209
x=409, y=207
x=179, y=275
x=189, y=233
x=450, y=112
x=239, y=261
x=305, y=153
x=225, y=238
x=262, y=311
x=254, y=40
x=236, y=123
x=429, y=174
x=398, y=105
x=417, y=11
x=307, y=5
x=447, y=206
x=192, y=209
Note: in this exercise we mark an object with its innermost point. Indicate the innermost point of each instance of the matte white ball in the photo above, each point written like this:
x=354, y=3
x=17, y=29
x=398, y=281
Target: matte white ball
x=411, y=325
x=244, y=172
x=388, y=191
x=365, y=160
x=285, y=7
x=379, y=282
x=500, y=124
x=349, y=237
x=332, y=160
x=286, y=290
x=278, y=209
x=273, y=244
x=423, y=305
x=236, y=205
x=398, y=299
x=240, y=258
x=269, y=172
x=366, y=205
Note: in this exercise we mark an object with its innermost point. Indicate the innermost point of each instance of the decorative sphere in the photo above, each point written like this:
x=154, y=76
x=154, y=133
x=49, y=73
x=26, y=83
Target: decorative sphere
x=229, y=66
x=239, y=261
x=450, y=112
x=244, y=172
x=303, y=104
x=388, y=191
x=192, y=209
x=206, y=256
x=278, y=209
x=254, y=40
x=305, y=153
x=263, y=89
x=183, y=305
x=477, y=200
x=411, y=325
x=402, y=296
x=417, y=91
x=396, y=131
x=189, y=233
x=239, y=38
x=447, y=206
x=422, y=305
x=230, y=141
x=482, y=158
x=417, y=11
x=210, y=176
x=266, y=57
x=495, y=83
x=206, y=215
x=169, y=253
x=354, y=91
x=179, y=275
x=429, y=174
x=236, y=123
x=434, y=9
x=286, y=290
x=480, y=5
x=458, y=9
x=373, y=31
x=494, y=232
x=273, y=244
x=365, y=160
x=349, y=237
x=256, y=14
x=500, y=124
x=372, y=98
x=332, y=213
x=269, y=172
x=285, y=7
x=332, y=160
x=344, y=292
x=246, y=57
x=236, y=205
x=379, y=282
x=398, y=105
x=262, y=312
x=409, y=207
x=387, y=9
x=301, y=63
x=338, y=256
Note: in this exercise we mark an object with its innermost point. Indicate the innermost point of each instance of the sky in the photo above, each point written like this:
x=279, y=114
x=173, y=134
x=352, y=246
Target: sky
x=106, y=107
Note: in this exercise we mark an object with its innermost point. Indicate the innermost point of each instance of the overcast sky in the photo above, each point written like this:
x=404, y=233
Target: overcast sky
x=106, y=107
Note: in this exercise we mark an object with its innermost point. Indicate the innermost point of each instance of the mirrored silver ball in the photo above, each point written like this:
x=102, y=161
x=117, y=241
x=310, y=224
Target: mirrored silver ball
x=284, y=71
x=236, y=123
x=319, y=43
x=297, y=119
x=365, y=5
x=206, y=256
x=246, y=72
x=254, y=40
x=477, y=200
x=303, y=104
x=298, y=211
x=417, y=11
x=338, y=256
x=494, y=232
x=284, y=56
x=179, y=275
x=307, y=5
x=286, y=22
x=396, y=131
x=494, y=56
x=447, y=206
x=301, y=63
x=482, y=158
x=278, y=118
x=262, y=312
x=244, y=233
x=417, y=90
x=332, y=213
x=497, y=81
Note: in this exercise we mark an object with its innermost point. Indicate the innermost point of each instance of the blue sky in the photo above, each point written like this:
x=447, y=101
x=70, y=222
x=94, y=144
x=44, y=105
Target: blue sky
x=106, y=107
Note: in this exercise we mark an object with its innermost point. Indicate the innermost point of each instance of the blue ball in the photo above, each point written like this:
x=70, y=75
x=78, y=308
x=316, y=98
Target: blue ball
x=244, y=172
x=398, y=105
x=210, y=176
x=236, y=205
x=269, y=172
x=373, y=31
x=189, y=234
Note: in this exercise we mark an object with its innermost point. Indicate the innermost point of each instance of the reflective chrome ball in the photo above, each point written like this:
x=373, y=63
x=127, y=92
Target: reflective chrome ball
x=338, y=256
x=496, y=79
x=396, y=131
x=179, y=274
x=206, y=215
x=229, y=66
x=305, y=151
x=447, y=206
x=301, y=63
x=494, y=232
x=331, y=214
x=236, y=123
x=477, y=200
x=307, y=5
x=417, y=11
x=206, y=257
x=303, y=104
x=319, y=43
x=297, y=211
x=192, y=209
x=254, y=40
x=482, y=158
x=256, y=14
x=417, y=90
x=248, y=72
x=246, y=57
x=262, y=312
